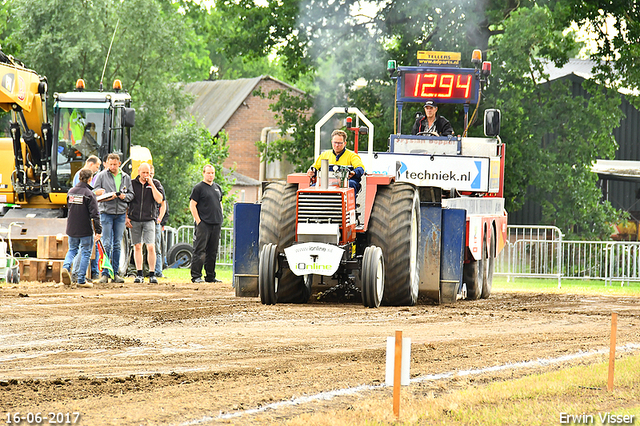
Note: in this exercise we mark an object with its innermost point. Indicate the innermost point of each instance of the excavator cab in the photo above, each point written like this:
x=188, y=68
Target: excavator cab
x=85, y=124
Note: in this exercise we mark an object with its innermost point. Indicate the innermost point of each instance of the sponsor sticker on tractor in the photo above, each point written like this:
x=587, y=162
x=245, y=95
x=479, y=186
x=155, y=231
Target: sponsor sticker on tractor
x=314, y=258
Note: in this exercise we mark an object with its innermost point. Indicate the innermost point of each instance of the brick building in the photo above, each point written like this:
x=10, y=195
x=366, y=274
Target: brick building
x=232, y=106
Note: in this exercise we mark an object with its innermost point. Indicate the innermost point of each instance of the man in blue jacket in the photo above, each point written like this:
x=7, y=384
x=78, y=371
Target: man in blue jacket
x=83, y=210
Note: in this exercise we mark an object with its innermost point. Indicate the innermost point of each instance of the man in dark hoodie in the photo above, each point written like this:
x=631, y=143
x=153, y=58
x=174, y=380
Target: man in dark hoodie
x=83, y=210
x=143, y=213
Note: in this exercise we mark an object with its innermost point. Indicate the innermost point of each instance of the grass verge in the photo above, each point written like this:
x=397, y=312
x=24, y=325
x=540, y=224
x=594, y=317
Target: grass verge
x=544, y=285
x=539, y=399
x=223, y=273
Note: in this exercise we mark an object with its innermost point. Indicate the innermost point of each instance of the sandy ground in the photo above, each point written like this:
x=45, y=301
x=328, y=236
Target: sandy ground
x=174, y=353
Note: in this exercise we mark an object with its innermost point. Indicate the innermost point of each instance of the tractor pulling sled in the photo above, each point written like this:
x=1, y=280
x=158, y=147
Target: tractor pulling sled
x=429, y=219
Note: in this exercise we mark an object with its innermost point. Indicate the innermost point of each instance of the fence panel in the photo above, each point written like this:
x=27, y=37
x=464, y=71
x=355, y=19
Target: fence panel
x=184, y=234
x=622, y=262
x=584, y=259
x=540, y=252
x=530, y=251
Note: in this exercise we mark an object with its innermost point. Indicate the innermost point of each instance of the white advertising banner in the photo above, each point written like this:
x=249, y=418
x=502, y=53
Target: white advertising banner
x=447, y=172
x=314, y=258
x=421, y=145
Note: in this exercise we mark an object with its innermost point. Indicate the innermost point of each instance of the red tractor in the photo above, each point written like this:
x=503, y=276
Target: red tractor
x=428, y=220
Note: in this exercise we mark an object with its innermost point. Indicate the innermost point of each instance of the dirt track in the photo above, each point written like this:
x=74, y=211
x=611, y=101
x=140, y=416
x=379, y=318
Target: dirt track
x=174, y=352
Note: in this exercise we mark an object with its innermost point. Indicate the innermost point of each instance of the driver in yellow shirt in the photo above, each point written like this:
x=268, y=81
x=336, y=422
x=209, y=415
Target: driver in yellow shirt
x=341, y=156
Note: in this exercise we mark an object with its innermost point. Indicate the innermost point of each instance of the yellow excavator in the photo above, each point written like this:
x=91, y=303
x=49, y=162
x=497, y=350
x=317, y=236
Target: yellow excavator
x=40, y=158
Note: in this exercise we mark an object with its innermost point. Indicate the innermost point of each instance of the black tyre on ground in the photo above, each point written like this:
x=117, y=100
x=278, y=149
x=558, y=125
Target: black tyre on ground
x=372, y=277
x=13, y=275
x=474, y=273
x=394, y=227
x=490, y=267
x=278, y=227
x=180, y=252
x=267, y=279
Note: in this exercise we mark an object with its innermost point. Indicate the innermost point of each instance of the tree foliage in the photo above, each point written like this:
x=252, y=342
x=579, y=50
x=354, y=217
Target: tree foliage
x=616, y=25
x=193, y=147
x=155, y=46
x=552, y=136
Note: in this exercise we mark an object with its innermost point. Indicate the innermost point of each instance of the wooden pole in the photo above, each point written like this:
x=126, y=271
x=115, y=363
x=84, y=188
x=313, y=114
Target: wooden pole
x=397, y=369
x=612, y=350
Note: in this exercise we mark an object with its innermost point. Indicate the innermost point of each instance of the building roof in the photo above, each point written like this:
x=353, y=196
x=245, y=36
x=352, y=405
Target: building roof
x=217, y=100
x=617, y=170
x=579, y=67
x=241, y=180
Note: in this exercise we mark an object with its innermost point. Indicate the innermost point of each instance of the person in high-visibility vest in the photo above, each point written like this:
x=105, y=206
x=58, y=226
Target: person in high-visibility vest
x=72, y=126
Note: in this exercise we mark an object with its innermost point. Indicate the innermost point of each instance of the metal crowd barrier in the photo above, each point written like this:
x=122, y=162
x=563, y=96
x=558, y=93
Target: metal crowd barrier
x=540, y=252
x=184, y=234
x=529, y=252
x=622, y=262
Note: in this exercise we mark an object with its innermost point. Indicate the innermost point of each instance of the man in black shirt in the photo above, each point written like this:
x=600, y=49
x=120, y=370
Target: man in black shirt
x=143, y=212
x=206, y=207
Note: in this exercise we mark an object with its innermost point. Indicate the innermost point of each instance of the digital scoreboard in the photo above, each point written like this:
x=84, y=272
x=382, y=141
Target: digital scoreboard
x=444, y=85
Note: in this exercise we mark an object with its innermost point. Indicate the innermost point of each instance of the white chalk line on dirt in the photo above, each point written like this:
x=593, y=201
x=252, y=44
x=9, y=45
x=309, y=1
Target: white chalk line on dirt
x=325, y=396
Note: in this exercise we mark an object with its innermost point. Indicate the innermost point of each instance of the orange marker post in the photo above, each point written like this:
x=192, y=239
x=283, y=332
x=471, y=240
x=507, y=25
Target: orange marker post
x=397, y=369
x=612, y=350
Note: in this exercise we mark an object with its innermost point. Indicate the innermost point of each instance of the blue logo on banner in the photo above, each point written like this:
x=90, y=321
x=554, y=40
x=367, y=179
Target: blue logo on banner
x=476, y=182
x=400, y=169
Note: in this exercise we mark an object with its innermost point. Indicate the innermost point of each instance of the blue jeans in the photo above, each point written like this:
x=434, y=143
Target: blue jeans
x=159, y=254
x=112, y=232
x=85, y=244
x=94, y=263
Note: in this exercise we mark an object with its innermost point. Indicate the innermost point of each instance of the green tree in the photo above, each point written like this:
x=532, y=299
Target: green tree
x=552, y=137
x=155, y=47
x=179, y=167
x=616, y=25
x=550, y=134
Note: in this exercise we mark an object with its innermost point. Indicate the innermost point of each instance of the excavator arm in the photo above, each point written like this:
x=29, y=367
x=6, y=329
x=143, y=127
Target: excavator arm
x=23, y=93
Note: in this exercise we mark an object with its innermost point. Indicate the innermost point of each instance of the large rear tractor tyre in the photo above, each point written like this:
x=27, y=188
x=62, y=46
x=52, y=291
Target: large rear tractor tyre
x=372, y=277
x=488, y=276
x=267, y=279
x=278, y=227
x=394, y=227
x=474, y=273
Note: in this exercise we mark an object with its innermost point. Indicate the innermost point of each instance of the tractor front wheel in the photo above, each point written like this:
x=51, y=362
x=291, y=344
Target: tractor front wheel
x=372, y=277
x=267, y=279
